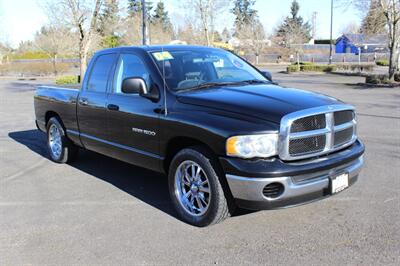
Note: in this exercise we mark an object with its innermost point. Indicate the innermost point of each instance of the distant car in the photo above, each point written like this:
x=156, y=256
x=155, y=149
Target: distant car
x=225, y=134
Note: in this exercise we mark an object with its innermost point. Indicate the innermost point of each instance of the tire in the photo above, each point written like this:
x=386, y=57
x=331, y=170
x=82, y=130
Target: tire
x=60, y=148
x=197, y=195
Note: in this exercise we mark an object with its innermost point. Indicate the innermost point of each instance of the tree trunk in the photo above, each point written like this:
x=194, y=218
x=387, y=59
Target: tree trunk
x=82, y=60
x=392, y=62
x=54, y=64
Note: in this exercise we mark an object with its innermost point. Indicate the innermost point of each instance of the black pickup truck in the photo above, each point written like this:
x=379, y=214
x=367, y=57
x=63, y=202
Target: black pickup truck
x=223, y=132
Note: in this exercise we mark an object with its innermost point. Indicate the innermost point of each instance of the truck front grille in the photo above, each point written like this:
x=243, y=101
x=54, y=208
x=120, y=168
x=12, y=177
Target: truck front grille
x=343, y=136
x=307, y=145
x=316, y=131
x=308, y=123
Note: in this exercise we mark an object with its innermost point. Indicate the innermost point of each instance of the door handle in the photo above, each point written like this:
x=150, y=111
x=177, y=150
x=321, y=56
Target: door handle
x=83, y=101
x=113, y=107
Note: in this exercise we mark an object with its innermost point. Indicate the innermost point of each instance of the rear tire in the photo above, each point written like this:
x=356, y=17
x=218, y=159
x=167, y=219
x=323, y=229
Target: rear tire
x=61, y=149
x=195, y=188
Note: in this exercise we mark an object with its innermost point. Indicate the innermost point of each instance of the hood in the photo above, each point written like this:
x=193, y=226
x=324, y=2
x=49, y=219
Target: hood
x=267, y=102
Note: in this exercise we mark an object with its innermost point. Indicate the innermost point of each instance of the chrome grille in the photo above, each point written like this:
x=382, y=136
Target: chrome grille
x=343, y=136
x=316, y=131
x=307, y=145
x=308, y=123
x=342, y=117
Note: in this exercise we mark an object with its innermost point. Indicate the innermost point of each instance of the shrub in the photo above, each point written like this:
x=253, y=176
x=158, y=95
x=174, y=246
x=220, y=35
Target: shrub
x=377, y=79
x=382, y=62
x=397, y=77
x=67, y=80
x=309, y=67
x=356, y=67
x=318, y=68
x=303, y=63
x=292, y=68
x=34, y=68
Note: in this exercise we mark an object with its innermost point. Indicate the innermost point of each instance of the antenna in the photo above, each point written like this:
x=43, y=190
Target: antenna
x=164, y=86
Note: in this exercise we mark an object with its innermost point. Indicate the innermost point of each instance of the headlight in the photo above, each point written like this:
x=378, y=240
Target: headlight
x=251, y=146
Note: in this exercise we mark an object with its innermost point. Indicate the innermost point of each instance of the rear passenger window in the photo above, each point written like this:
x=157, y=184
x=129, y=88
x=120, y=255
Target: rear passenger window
x=100, y=72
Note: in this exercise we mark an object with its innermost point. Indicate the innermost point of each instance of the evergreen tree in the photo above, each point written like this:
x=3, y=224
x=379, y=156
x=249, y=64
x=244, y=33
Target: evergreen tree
x=244, y=13
x=374, y=21
x=161, y=17
x=108, y=23
x=294, y=29
x=135, y=8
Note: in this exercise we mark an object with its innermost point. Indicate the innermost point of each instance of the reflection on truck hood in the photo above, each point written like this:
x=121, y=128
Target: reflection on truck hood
x=267, y=102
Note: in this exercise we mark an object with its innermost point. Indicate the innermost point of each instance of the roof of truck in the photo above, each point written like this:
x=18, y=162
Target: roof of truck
x=149, y=48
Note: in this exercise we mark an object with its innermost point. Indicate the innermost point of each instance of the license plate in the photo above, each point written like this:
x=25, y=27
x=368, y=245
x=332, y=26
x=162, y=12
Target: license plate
x=339, y=183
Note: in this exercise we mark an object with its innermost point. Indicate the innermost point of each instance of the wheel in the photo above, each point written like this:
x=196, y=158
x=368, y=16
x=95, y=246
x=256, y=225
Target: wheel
x=61, y=149
x=195, y=189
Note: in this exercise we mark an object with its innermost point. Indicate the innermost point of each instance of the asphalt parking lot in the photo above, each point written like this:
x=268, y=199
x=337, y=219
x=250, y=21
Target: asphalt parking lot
x=102, y=211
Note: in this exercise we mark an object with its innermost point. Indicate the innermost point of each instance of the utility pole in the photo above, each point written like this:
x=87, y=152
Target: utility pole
x=330, y=41
x=314, y=25
x=145, y=38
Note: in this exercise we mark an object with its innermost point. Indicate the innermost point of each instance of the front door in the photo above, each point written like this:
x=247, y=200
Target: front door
x=132, y=120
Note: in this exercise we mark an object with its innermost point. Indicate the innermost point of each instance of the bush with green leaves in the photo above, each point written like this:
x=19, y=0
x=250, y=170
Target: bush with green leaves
x=310, y=67
x=63, y=80
x=377, y=79
x=382, y=62
x=292, y=68
x=355, y=67
x=318, y=68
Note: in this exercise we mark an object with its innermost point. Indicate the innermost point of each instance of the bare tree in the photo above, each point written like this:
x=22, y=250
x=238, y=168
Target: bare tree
x=207, y=12
x=54, y=42
x=81, y=16
x=252, y=36
x=351, y=27
x=391, y=10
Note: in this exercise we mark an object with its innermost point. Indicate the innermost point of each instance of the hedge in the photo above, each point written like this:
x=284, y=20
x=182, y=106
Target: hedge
x=67, y=80
x=355, y=67
x=377, y=79
x=35, y=68
x=382, y=62
x=311, y=68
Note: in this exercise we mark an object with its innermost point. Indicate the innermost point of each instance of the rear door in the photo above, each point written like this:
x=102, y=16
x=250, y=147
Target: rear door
x=92, y=103
x=132, y=120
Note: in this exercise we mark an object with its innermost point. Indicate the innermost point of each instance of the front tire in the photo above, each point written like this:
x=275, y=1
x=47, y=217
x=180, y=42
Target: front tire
x=195, y=189
x=61, y=149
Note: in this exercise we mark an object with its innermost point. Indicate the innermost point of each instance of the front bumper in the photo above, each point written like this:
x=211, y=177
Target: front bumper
x=298, y=187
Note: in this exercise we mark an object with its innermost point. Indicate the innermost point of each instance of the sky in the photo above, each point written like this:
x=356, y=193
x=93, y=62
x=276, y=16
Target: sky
x=20, y=19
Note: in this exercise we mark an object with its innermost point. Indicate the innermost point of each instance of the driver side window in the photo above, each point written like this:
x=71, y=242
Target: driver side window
x=129, y=66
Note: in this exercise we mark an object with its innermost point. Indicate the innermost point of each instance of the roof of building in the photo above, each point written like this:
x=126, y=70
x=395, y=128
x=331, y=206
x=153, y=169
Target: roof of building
x=363, y=39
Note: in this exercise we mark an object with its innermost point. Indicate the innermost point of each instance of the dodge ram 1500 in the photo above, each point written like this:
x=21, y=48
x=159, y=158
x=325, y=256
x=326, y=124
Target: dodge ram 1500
x=223, y=132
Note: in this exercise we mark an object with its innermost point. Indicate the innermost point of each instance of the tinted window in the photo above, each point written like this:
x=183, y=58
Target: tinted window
x=188, y=69
x=100, y=72
x=129, y=66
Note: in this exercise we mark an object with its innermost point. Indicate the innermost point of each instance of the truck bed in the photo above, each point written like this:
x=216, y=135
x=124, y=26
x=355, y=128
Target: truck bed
x=61, y=100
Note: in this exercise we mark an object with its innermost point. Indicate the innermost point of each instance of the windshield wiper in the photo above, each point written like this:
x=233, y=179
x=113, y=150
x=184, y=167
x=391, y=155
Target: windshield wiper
x=255, y=81
x=208, y=85
x=220, y=84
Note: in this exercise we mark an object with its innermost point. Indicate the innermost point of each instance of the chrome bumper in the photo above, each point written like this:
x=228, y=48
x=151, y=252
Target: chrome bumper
x=248, y=192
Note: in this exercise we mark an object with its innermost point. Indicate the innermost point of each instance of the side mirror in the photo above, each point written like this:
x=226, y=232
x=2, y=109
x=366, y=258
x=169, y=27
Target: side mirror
x=267, y=75
x=134, y=85
x=137, y=85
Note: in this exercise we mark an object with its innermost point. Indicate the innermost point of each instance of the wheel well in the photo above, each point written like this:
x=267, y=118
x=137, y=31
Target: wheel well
x=50, y=114
x=177, y=144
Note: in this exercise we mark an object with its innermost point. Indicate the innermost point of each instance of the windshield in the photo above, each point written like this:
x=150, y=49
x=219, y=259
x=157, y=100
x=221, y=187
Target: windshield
x=190, y=69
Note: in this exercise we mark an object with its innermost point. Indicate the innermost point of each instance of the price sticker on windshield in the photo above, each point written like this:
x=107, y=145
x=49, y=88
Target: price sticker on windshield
x=161, y=56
